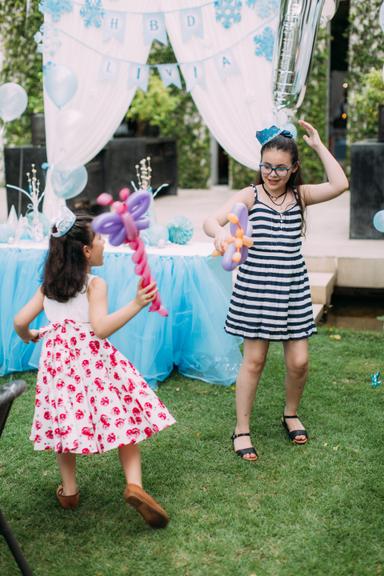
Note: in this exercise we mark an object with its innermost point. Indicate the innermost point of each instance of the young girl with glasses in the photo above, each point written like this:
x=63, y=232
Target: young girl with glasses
x=271, y=299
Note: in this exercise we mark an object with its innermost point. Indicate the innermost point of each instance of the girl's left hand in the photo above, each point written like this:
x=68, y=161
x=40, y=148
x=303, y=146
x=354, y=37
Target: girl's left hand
x=33, y=336
x=312, y=137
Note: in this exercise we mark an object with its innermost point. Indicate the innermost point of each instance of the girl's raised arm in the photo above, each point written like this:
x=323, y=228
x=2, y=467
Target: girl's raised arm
x=337, y=180
x=105, y=324
x=23, y=318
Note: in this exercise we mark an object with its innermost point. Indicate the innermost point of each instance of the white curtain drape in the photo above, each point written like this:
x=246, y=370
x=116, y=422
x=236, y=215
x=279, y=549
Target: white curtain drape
x=78, y=131
x=233, y=108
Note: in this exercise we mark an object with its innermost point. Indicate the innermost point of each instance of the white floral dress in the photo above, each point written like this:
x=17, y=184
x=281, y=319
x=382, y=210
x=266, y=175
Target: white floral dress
x=89, y=397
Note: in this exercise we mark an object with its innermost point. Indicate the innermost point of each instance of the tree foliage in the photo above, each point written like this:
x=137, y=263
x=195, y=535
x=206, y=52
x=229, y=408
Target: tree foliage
x=366, y=55
x=22, y=63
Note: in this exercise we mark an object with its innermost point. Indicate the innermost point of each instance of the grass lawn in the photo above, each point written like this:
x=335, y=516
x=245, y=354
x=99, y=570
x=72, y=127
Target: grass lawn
x=309, y=510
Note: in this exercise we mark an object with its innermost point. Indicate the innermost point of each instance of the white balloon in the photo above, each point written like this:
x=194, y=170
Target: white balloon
x=13, y=101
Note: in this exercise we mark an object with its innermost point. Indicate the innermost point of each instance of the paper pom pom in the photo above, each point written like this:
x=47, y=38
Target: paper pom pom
x=180, y=230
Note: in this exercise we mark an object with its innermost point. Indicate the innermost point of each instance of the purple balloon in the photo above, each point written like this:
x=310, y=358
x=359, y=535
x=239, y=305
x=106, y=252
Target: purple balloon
x=118, y=238
x=112, y=223
x=241, y=211
x=138, y=203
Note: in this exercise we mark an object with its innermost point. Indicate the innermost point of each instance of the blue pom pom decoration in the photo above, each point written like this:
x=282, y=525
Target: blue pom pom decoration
x=180, y=230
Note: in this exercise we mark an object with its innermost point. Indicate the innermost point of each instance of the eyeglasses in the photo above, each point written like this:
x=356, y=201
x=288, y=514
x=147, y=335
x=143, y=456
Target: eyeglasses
x=280, y=171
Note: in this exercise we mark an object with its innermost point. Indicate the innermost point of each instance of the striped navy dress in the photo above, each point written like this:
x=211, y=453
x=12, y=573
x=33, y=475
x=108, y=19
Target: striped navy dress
x=271, y=298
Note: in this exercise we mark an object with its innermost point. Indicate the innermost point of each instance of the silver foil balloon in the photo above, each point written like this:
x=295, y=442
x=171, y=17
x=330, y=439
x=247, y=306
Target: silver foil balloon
x=298, y=25
x=329, y=10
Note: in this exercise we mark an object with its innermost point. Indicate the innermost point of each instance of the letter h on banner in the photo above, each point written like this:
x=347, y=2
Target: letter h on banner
x=114, y=26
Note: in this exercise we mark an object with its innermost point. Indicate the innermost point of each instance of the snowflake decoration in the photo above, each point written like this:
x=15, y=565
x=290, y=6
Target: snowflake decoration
x=264, y=44
x=47, y=40
x=228, y=12
x=56, y=8
x=264, y=8
x=92, y=12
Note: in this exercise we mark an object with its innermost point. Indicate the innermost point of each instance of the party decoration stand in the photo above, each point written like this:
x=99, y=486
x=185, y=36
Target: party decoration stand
x=34, y=223
x=156, y=234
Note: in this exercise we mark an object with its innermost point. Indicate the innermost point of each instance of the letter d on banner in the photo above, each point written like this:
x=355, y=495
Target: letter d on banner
x=191, y=23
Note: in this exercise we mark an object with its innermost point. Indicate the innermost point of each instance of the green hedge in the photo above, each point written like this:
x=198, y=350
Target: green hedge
x=366, y=54
x=22, y=63
x=314, y=109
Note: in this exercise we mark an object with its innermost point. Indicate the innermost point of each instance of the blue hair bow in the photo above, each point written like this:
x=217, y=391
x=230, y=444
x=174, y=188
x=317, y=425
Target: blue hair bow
x=267, y=134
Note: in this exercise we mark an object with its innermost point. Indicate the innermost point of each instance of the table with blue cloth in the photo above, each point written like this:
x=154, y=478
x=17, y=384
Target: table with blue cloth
x=193, y=287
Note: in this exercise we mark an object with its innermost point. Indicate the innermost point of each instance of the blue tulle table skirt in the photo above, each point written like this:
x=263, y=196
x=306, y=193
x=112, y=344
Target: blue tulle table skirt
x=193, y=287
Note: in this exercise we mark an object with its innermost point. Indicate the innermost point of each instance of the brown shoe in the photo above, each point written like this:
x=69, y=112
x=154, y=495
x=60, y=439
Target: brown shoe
x=150, y=510
x=68, y=502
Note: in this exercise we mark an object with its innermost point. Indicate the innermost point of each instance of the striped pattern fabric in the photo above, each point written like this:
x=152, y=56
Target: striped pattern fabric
x=271, y=299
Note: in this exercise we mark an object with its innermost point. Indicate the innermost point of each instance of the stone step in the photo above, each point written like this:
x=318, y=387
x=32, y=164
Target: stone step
x=318, y=311
x=321, y=284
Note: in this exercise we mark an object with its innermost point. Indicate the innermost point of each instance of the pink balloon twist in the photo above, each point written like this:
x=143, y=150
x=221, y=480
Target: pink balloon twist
x=142, y=269
x=123, y=225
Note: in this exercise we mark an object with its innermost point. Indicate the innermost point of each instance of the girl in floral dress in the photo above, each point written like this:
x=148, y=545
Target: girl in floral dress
x=89, y=397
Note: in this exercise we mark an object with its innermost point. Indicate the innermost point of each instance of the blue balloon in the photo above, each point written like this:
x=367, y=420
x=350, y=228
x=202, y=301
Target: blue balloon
x=69, y=183
x=60, y=83
x=156, y=235
x=378, y=221
x=13, y=101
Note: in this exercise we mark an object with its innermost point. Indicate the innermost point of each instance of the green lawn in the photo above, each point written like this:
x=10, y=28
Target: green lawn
x=309, y=510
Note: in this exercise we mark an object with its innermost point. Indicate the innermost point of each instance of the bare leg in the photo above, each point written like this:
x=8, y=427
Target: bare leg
x=134, y=495
x=67, y=466
x=130, y=459
x=255, y=353
x=296, y=362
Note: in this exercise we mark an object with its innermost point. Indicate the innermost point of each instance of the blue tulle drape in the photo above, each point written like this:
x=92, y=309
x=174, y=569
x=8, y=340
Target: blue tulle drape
x=194, y=289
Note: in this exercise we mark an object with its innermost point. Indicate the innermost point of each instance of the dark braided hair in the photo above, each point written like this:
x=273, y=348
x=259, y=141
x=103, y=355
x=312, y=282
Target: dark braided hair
x=289, y=145
x=66, y=266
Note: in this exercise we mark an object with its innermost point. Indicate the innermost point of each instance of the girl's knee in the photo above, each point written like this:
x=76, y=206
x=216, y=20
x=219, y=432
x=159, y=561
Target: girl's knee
x=254, y=365
x=298, y=366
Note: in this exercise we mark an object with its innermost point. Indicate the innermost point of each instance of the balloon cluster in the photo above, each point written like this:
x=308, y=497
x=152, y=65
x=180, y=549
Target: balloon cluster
x=240, y=239
x=123, y=225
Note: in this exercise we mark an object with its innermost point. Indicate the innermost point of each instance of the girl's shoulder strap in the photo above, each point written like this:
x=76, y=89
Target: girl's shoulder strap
x=254, y=189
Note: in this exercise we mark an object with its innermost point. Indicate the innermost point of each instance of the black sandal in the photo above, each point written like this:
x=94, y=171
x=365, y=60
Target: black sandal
x=292, y=434
x=244, y=451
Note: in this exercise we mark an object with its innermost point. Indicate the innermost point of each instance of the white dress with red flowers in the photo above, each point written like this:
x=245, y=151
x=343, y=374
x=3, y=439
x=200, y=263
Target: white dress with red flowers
x=89, y=397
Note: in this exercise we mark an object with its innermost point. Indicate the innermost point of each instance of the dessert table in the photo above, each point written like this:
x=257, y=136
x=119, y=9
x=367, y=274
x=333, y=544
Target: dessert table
x=193, y=287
